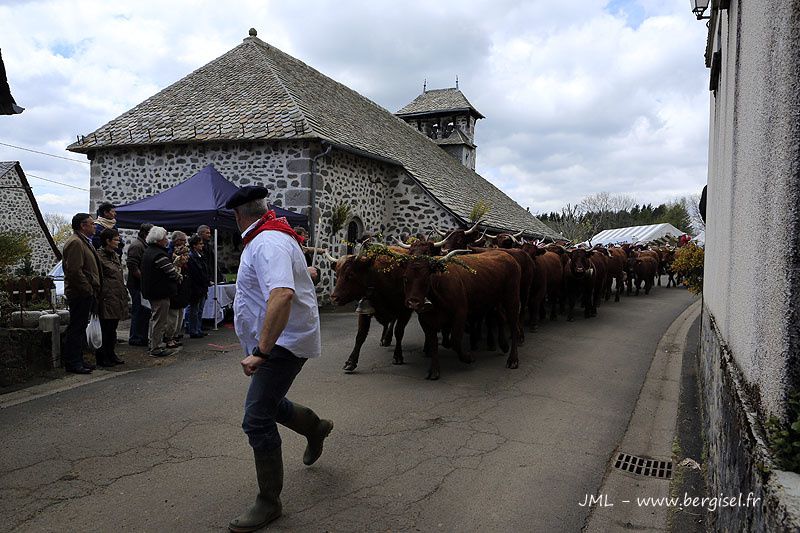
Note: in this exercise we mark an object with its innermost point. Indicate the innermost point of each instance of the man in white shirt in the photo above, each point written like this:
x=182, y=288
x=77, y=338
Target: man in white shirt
x=277, y=322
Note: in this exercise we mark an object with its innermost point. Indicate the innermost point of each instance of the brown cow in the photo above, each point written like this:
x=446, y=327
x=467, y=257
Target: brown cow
x=460, y=239
x=644, y=267
x=616, y=271
x=579, y=281
x=379, y=278
x=458, y=290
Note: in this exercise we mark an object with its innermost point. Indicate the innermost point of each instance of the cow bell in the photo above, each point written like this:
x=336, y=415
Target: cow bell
x=365, y=307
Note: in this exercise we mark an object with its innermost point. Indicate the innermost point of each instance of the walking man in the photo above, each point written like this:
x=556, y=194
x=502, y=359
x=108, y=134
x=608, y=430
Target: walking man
x=277, y=322
x=82, y=278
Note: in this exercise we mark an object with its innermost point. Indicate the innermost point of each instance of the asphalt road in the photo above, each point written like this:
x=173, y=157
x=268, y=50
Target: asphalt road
x=483, y=449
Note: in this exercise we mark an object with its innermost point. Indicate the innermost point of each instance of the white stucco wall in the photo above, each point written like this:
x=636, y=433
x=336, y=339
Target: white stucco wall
x=754, y=192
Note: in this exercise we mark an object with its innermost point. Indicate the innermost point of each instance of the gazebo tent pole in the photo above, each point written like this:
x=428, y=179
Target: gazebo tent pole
x=216, y=274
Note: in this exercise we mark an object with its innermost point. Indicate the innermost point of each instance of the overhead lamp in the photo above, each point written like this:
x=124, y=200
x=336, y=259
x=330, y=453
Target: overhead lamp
x=699, y=7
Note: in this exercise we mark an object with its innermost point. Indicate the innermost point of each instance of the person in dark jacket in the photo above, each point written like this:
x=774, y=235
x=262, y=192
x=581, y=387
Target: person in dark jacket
x=82, y=279
x=160, y=281
x=106, y=219
x=198, y=282
x=179, y=253
x=140, y=315
x=113, y=305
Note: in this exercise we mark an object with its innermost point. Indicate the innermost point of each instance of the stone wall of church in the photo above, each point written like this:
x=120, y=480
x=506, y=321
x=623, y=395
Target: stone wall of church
x=382, y=197
x=18, y=216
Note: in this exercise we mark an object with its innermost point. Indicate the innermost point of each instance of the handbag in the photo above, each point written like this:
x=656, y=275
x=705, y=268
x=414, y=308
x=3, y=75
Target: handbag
x=94, y=335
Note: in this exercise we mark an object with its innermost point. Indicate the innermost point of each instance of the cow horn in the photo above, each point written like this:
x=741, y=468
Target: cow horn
x=404, y=245
x=491, y=237
x=439, y=244
x=513, y=239
x=472, y=229
x=454, y=253
x=330, y=258
x=479, y=239
x=518, y=234
x=437, y=230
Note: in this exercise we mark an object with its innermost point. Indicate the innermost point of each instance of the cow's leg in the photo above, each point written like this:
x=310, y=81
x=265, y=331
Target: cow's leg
x=431, y=348
x=512, y=317
x=638, y=284
x=386, y=336
x=648, y=284
x=361, y=336
x=475, y=332
x=399, y=331
x=459, y=322
x=571, y=304
x=555, y=299
x=500, y=321
x=586, y=298
x=658, y=275
x=490, y=330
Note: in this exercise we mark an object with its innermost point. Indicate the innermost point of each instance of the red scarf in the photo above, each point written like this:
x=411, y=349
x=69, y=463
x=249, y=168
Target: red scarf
x=270, y=222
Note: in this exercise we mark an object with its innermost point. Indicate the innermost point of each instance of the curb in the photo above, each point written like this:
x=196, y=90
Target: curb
x=54, y=387
x=650, y=434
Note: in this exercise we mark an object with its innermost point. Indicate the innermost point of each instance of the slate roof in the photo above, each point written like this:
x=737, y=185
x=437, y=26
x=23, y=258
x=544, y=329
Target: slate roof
x=457, y=137
x=438, y=101
x=257, y=92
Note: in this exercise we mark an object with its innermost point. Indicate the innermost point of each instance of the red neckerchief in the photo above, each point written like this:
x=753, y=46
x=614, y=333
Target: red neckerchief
x=270, y=222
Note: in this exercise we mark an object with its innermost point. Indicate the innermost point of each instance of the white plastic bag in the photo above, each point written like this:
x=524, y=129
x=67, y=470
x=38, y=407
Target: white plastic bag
x=146, y=304
x=94, y=335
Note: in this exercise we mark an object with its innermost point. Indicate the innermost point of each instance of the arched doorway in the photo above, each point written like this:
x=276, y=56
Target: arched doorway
x=354, y=230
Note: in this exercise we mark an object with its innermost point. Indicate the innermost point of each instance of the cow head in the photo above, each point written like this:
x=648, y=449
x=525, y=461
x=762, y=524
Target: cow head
x=352, y=273
x=459, y=239
x=579, y=264
x=419, y=271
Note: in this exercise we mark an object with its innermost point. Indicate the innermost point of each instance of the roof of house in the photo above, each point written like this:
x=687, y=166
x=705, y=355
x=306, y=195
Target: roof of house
x=5, y=168
x=257, y=92
x=438, y=101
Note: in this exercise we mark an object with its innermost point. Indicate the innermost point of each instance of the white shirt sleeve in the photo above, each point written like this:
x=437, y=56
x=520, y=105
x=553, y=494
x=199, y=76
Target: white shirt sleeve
x=273, y=267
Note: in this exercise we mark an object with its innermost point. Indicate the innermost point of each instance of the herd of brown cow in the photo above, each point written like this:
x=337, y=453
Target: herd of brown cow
x=468, y=282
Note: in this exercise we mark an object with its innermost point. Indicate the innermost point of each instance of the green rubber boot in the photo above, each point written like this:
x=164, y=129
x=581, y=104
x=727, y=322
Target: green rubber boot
x=306, y=422
x=269, y=470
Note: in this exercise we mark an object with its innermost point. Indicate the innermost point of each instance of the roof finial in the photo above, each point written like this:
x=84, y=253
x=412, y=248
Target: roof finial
x=425, y=85
x=456, y=81
x=253, y=32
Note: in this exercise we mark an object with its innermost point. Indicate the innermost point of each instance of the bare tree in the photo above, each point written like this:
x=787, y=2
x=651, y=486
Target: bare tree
x=58, y=226
x=692, y=205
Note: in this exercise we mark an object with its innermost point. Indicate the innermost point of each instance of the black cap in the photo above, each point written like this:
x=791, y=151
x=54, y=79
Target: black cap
x=246, y=194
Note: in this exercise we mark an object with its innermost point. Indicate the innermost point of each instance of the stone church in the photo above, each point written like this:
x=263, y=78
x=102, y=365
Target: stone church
x=263, y=117
x=20, y=214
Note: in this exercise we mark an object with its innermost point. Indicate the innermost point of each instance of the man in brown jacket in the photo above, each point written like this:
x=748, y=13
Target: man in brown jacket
x=82, y=278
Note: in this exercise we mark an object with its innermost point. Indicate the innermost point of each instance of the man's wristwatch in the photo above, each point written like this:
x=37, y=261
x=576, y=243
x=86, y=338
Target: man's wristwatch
x=259, y=353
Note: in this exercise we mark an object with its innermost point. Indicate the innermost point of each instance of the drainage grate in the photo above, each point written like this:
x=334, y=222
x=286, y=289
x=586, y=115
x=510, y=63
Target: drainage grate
x=644, y=467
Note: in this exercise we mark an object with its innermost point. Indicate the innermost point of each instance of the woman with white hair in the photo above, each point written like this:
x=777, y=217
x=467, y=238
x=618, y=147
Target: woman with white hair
x=160, y=280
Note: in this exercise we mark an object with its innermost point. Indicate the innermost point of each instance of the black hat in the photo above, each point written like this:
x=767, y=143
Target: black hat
x=246, y=194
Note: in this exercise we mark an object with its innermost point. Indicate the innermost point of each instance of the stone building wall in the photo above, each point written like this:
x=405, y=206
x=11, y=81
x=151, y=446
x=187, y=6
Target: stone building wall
x=18, y=215
x=382, y=196
x=751, y=296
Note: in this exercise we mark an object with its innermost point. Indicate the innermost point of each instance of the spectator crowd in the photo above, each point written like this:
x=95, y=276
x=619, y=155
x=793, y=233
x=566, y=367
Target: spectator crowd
x=167, y=285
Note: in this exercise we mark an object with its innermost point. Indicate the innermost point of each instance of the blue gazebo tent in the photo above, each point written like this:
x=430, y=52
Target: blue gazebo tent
x=198, y=200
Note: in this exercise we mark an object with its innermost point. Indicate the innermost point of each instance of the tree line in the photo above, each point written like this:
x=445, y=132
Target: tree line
x=602, y=211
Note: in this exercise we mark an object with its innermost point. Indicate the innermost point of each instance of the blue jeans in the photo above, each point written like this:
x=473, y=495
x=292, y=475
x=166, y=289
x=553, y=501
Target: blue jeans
x=140, y=318
x=266, y=401
x=193, y=319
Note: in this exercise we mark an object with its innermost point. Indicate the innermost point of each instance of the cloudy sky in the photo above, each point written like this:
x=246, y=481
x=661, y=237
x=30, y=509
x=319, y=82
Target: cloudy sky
x=580, y=96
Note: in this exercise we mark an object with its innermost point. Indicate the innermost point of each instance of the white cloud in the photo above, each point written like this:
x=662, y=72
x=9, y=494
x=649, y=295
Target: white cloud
x=581, y=96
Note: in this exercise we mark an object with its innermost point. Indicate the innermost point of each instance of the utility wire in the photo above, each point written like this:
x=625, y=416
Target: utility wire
x=56, y=182
x=45, y=153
